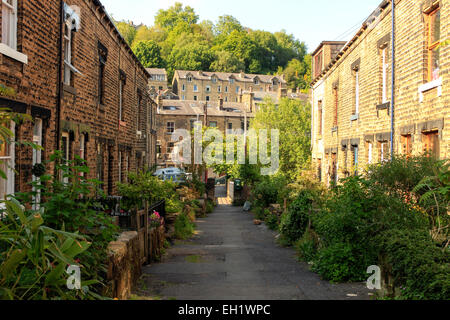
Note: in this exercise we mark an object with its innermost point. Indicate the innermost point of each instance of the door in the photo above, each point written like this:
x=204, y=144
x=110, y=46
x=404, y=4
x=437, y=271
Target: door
x=37, y=159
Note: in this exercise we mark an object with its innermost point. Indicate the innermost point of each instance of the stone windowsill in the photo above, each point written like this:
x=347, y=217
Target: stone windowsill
x=70, y=89
x=354, y=117
x=335, y=129
x=429, y=86
x=13, y=54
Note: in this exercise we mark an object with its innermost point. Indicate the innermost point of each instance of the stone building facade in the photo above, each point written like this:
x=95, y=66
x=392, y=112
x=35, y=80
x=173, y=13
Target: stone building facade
x=211, y=86
x=69, y=69
x=179, y=114
x=351, y=95
x=158, y=81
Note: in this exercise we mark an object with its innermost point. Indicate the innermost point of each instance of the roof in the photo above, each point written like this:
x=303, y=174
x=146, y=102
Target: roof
x=119, y=35
x=328, y=43
x=225, y=76
x=358, y=34
x=156, y=71
x=194, y=108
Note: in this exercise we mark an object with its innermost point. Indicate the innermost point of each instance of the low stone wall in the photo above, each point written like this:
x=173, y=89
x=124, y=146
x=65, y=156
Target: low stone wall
x=124, y=265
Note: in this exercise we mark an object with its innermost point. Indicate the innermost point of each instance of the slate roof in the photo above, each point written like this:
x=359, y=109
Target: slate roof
x=193, y=108
x=224, y=76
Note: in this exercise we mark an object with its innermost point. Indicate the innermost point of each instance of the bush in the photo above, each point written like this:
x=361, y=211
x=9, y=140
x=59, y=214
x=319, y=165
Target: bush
x=341, y=262
x=184, y=228
x=307, y=246
x=259, y=212
x=68, y=207
x=209, y=207
x=271, y=220
x=294, y=222
x=270, y=190
x=416, y=264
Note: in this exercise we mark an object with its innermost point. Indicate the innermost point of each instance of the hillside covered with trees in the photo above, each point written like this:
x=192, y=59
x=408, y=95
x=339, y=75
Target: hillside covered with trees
x=178, y=40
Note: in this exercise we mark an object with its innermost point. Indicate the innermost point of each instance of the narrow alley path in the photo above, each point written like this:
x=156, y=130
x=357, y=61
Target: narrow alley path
x=232, y=259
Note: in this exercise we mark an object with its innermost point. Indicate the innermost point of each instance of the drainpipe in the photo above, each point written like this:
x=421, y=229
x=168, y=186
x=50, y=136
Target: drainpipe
x=393, y=80
x=60, y=66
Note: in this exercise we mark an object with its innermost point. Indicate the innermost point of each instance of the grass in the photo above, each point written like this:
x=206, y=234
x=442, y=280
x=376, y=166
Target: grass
x=194, y=259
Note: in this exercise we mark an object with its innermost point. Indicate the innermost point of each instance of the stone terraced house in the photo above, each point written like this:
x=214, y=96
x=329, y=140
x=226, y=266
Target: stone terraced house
x=211, y=86
x=66, y=65
x=352, y=90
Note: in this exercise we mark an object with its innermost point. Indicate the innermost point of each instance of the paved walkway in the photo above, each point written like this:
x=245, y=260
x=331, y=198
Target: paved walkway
x=232, y=259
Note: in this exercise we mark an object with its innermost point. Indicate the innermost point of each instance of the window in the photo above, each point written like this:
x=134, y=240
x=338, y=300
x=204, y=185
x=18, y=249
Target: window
x=65, y=148
x=189, y=79
x=170, y=147
x=226, y=99
x=183, y=87
x=9, y=23
x=161, y=88
x=7, y=153
x=384, y=75
x=275, y=82
x=237, y=89
x=100, y=157
x=219, y=89
x=434, y=38
x=158, y=147
x=406, y=143
x=336, y=105
x=67, y=54
x=183, y=97
x=139, y=111
x=195, y=88
x=319, y=169
x=207, y=98
x=120, y=166
x=195, y=98
x=430, y=141
x=208, y=89
x=355, y=151
x=256, y=81
x=213, y=124
x=356, y=110
x=318, y=64
x=320, y=118
x=214, y=80
x=231, y=80
x=230, y=126
x=384, y=151
x=369, y=152
x=121, y=97
x=170, y=127
x=334, y=168
x=103, y=55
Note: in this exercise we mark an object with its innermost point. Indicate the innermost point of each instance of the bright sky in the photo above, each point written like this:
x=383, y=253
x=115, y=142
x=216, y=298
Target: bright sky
x=311, y=21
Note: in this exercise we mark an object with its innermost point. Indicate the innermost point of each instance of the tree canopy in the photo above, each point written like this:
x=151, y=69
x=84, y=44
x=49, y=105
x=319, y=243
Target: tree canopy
x=184, y=42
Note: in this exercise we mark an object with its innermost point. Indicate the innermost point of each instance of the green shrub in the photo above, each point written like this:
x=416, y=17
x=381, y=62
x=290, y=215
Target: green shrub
x=259, y=212
x=271, y=221
x=294, y=222
x=184, y=228
x=209, y=207
x=415, y=263
x=341, y=262
x=270, y=190
x=307, y=246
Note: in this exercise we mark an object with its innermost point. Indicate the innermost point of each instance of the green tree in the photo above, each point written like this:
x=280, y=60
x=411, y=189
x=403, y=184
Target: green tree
x=298, y=73
x=190, y=56
x=227, y=62
x=127, y=31
x=149, y=53
x=169, y=18
x=226, y=25
x=292, y=119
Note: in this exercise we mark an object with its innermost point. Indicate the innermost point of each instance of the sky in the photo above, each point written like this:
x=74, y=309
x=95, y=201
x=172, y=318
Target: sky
x=311, y=21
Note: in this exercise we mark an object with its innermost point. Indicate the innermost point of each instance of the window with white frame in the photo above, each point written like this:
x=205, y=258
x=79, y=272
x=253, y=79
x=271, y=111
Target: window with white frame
x=219, y=89
x=226, y=89
x=384, y=61
x=65, y=148
x=9, y=23
x=67, y=54
x=189, y=79
x=195, y=88
x=231, y=80
x=208, y=89
x=120, y=166
x=183, y=87
x=170, y=128
x=7, y=153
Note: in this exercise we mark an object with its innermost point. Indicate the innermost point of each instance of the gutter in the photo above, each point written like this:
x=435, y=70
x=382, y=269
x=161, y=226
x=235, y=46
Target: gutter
x=60, y=66
x=393, y=81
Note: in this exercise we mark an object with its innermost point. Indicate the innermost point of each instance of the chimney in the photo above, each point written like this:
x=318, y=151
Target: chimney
x=249, y=99
x=282, y=93
x=242, y=75
x=200, y=73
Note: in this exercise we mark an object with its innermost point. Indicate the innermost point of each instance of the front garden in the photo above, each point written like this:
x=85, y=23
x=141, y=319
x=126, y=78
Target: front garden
x=395, y=216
